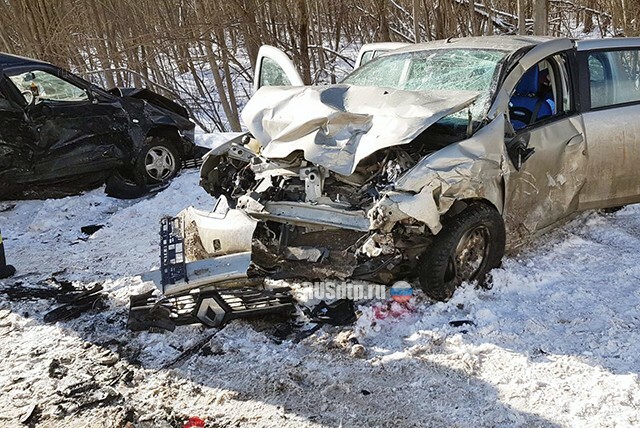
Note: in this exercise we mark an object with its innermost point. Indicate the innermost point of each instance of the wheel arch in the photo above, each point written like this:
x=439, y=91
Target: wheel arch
x=462, y=204
x=172, y=136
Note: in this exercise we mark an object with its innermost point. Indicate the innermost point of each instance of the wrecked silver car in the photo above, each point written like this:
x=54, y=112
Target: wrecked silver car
x=426, y=163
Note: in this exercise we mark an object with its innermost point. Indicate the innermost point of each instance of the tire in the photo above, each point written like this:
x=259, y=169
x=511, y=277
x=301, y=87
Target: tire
x=469, y=245
x=136, y=182
x=118, y=186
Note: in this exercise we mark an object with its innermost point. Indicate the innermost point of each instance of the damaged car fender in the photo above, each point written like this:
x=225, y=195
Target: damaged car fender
x=469, y=170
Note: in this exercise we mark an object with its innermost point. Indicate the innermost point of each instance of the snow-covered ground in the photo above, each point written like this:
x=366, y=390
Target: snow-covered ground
x=555, y=342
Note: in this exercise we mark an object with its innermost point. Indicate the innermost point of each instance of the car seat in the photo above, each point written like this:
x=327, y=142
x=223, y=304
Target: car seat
x=526, y=105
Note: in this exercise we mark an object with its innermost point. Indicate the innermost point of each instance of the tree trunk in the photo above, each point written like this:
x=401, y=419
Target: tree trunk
x=303, y=34
x=383, y=21
x=540, y=17
x=522, y=17
x=416, y=21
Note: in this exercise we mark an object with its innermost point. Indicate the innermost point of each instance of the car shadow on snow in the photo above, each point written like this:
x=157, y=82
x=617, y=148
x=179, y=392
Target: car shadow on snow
x=562, y=297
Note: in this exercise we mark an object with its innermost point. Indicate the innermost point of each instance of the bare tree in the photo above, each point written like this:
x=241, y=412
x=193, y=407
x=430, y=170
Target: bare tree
x=204, y=51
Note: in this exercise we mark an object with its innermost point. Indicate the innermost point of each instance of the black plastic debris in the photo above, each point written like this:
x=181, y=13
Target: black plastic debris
x=51, y=288
x=303, y=334
x=56, y=369
x=76, y=303
x=189, y=352
x=281, y=332
x=91, y=229
x=7, y=206
x=460, y=323
x=340, y=312
x=213, y=308
x=88, y=395
x=5, y=270
x=147, y=311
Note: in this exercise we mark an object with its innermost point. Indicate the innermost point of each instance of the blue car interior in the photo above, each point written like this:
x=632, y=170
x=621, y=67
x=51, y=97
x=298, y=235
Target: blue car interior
x=528, y=104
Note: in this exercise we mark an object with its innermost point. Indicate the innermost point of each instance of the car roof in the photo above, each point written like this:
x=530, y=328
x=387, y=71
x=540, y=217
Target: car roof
x=507, y=43
x=610, y=43
x=8, y=61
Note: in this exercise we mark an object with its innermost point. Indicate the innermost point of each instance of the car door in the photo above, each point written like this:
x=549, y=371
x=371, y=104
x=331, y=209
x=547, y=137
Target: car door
x=547, y=154
x=611, y=105
x=77, y=132
x=275, y=68
x=17, y=136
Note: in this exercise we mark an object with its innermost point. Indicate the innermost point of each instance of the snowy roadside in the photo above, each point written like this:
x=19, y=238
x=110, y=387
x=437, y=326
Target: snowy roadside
x=555, y=342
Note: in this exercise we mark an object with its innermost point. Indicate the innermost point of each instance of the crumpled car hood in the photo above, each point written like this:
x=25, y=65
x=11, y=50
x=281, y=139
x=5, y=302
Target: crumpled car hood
x=338, y=126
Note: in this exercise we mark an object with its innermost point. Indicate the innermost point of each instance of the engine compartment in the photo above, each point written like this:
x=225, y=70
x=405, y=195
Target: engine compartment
x=312, y=222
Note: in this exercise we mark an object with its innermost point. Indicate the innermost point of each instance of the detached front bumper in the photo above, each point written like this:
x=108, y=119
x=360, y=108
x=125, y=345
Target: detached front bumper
x=212, y=291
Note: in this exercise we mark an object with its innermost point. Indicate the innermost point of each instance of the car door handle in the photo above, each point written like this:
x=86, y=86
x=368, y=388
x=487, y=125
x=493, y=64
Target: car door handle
x=576, y=139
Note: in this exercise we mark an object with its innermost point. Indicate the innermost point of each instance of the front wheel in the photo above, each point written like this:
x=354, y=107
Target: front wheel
x=156, y=164
x=469, y=245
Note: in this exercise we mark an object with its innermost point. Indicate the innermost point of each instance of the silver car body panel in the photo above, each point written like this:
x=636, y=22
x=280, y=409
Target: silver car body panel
x=614, y=156
x=222, y=269
x=304, y=214
x=223, y=231
x=609, y=43
x=545, y=191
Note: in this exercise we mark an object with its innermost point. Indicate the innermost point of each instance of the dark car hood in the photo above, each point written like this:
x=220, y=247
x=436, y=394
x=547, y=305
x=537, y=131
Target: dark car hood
x=153, y=98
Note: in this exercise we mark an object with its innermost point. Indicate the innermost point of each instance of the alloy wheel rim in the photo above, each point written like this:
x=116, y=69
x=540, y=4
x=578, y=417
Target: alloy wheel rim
x=159, y=163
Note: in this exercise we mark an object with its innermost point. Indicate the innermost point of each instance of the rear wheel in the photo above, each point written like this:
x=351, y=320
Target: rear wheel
x=469, y=245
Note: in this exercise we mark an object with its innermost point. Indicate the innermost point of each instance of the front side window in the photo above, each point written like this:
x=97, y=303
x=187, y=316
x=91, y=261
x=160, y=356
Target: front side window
x=543, y=91
x=45, y=86
x=614, y=77
x=272, y=74
x=366, y=57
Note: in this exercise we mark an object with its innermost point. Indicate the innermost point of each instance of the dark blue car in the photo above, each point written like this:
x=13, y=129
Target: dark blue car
x=60, y=133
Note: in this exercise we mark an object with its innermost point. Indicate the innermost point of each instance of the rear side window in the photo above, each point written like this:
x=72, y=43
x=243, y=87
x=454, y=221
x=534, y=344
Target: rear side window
x=614, y=77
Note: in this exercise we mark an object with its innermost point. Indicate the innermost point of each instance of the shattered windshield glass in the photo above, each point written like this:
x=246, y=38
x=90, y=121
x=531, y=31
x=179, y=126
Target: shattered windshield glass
x=45, y=86
x=437, y=69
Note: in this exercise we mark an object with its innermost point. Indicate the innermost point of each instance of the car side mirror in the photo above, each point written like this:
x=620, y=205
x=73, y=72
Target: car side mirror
x=93, y=92
x=91, y=96
x=518, y=150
